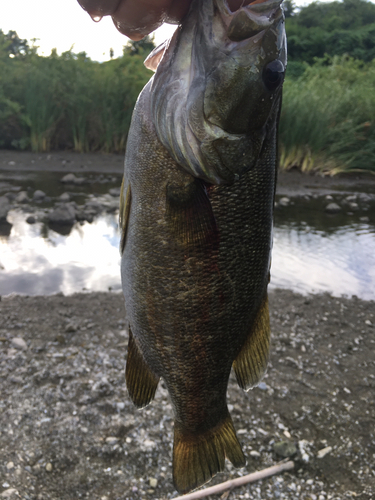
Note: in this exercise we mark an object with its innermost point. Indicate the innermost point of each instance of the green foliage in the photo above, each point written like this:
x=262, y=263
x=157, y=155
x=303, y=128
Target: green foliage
x=67, y=101
x=334, y=28
x=327, y=120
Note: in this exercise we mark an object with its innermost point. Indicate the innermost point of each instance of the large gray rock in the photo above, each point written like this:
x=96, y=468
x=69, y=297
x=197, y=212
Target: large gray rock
x=4, y=207
x=64, y=214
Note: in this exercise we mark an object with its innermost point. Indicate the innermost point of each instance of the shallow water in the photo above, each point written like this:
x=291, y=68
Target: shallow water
x=313, y=252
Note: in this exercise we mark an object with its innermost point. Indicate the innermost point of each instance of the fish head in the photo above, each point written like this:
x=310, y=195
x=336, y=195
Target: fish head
x=216, y=92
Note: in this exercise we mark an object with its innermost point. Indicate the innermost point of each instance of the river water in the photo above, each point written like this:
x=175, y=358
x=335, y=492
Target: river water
x=313, y=252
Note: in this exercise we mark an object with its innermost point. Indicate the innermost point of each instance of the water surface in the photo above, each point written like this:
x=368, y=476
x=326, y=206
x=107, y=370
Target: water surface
x=313, y=252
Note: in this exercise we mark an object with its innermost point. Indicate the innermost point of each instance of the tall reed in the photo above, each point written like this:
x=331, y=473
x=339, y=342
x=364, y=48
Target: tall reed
x=328, y=117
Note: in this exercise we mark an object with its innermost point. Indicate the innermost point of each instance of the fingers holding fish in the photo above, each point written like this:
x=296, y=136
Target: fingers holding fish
x=136, y=19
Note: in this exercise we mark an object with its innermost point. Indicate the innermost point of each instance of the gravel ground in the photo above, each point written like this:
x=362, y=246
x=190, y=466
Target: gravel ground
x=68, y=429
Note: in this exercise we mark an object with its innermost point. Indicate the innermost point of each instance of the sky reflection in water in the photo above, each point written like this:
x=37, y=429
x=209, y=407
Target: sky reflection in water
x=36, y=260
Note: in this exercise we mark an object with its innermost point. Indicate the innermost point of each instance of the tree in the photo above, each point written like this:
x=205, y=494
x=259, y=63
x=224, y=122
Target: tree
x=12, y=44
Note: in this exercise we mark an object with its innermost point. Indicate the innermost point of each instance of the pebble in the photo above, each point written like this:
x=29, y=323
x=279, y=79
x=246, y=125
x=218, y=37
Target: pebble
x=22, y=197
x=149, y=443
x=72, y=179
x=71, y=327
x=8, y=493
x=63, y=214
x=19, y=343
x=332, y=208
x=39, y=195
x=31, y=219
x=65, y=197
x=10, y=465
x=153, y=482
x=111, y=440
x=49, y=467
x=324, y=451
x=284, y=201
x=285, y=449
x=254, y=454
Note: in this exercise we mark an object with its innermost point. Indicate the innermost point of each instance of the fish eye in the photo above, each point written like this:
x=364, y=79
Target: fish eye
x=273, y=74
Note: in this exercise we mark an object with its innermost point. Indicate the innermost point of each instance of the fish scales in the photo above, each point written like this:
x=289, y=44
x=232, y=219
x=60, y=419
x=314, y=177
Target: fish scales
x=196, y=217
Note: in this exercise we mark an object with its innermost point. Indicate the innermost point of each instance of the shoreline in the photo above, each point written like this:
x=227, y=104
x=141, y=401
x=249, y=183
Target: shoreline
x=289, y=183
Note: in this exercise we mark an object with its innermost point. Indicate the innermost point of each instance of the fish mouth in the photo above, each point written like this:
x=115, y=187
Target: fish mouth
x=246, y=21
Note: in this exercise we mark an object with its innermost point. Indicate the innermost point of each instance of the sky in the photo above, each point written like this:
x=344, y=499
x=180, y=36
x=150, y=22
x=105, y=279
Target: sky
x=63, y=24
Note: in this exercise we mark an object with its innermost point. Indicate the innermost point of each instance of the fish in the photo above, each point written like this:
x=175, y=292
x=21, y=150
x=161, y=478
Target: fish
x=196, y=215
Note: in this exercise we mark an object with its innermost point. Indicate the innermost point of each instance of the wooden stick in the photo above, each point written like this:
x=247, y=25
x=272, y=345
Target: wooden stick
x=233, y=483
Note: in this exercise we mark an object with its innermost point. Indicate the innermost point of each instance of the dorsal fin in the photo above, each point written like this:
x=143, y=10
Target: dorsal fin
x=153, y=59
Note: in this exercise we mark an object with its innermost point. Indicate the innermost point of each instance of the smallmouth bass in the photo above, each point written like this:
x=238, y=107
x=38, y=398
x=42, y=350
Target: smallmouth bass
x=196, y=216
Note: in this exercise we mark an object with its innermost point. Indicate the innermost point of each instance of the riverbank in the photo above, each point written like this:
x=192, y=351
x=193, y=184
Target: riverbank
x=68, y=429
x=291, y=182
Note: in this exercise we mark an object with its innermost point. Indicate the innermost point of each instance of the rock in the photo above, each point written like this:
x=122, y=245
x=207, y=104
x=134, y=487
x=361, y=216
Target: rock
x=353, y=206
x=31, y=219
x=8, y=493
x=285, y=449
x=39, y=195
x=153, y=482
x=93, y=207
x=71, y=327
x=255, y=454
x=324, y=451
x=115, y=192
x=22, y=197
x=19, y=343
x=72, y=179
x=49, y=467
x=332, y=208
x=63, y=214
x=10, y=465
x=112, y=440
x=284, y=201
x=65, y=197
x=4, y=207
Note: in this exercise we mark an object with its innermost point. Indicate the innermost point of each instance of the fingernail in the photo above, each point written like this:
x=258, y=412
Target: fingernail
x=95, y=18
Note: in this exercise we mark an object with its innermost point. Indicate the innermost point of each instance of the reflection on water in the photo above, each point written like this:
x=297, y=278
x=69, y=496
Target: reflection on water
x=36, y=260
x=311, y=261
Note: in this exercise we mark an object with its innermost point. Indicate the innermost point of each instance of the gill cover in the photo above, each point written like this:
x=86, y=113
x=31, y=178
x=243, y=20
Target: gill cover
x=212, y=94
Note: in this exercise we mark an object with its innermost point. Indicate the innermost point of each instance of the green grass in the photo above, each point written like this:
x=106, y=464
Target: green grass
x=328, y=118
x=70, y=102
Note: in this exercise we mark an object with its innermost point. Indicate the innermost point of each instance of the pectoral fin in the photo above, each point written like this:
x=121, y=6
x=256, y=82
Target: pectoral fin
x=190, y=216
x=140, y=380
x=251, y=363
x=125, y=202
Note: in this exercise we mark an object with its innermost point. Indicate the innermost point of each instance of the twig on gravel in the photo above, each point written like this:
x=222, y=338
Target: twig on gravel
x=233, y=483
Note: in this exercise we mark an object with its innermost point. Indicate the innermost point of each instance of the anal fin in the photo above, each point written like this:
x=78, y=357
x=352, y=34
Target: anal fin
x=251, y=363
x=197, y=458
x=141, y=382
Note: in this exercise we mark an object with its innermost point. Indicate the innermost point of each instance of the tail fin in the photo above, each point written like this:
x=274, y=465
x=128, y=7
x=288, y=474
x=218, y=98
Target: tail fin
x=197, y=458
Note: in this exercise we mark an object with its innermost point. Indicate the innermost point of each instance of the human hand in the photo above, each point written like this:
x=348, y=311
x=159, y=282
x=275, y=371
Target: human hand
x=138, y=18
